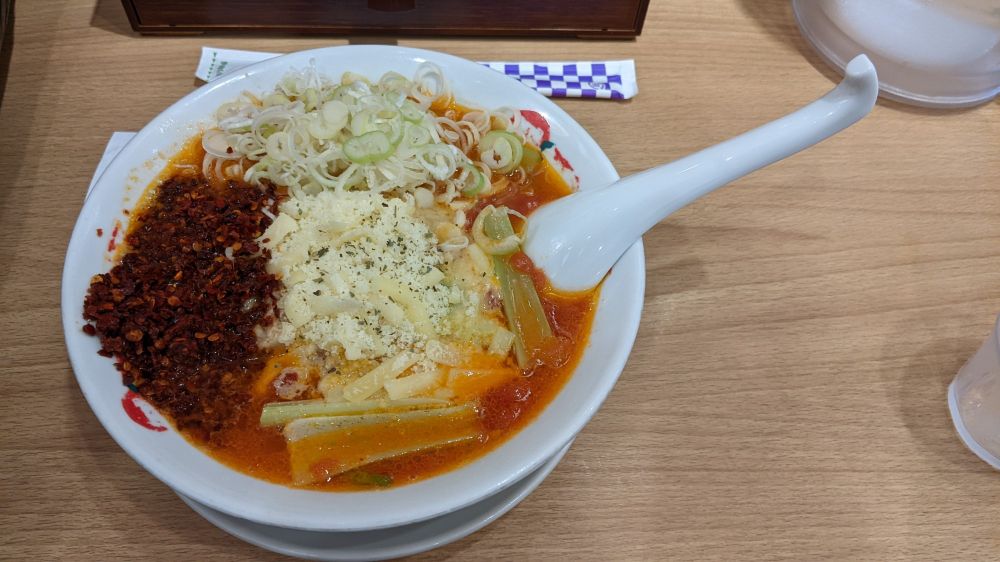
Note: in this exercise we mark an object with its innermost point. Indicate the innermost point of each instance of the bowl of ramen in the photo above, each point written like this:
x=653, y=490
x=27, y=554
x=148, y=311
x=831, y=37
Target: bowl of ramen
x=298, y=295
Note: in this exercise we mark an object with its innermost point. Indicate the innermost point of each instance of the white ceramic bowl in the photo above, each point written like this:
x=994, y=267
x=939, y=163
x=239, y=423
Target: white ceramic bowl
x=178, y=464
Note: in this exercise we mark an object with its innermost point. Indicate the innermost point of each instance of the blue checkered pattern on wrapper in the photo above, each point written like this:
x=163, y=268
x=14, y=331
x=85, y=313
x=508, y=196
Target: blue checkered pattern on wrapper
x=570, y=80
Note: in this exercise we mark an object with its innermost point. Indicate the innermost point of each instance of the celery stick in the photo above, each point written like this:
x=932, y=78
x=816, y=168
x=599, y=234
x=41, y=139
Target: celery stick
x=524, y=311
x=321, y=448
x=521, y=304
x=280, y=413
x=305, y=427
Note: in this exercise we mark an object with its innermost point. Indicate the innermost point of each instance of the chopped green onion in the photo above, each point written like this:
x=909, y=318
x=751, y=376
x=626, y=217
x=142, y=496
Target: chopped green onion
x=411, y=112
x=501, y=151
x=335, y=114
x=475, y=183
x=369, y=147
x=347, y=93
x=371, y=120
x=395, y=82
x=497, y=224
x=311, y=99
x=267, y=129
x=352, y=77
x=331, y=119
x=276, y=99
x=417, y=135
x=493, y=232
x=361, y=123
x=394, y=129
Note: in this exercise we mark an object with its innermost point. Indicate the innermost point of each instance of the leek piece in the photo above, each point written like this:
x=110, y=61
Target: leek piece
x=267, y=129
x=369, y=147
x=501, y=151
x=303, y=428
x=417, y=135
x=494, y=233
x=475, y=183
x=531, y=159
x=348, y=93
x=371, y=120
x=280, y=413
x=525, y=314
x=311, y=99
x=309, y=466
x=276, y=99
x=321, y=448
x=411, y=112
x=497, y=224
x=333, y=117
x=521, y=304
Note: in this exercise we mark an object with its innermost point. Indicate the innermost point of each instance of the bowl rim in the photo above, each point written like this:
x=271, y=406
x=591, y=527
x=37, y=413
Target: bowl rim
x=631, y=264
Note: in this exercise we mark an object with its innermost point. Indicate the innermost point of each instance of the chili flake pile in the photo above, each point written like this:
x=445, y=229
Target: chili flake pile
x=179, y=310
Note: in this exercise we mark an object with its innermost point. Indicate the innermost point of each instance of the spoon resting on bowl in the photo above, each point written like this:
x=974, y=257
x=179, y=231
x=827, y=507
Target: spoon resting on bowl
x=576, y=240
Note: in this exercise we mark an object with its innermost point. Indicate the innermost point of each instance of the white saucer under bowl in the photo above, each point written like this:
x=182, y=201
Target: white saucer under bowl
x=382, y=544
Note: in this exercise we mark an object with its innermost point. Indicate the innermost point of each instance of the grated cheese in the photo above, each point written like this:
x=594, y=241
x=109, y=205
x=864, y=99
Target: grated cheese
x=362, y=275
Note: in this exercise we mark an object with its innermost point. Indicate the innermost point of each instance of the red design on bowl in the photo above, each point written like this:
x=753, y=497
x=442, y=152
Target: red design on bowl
x=131, y=403
x=537, y=121
x=537, y=130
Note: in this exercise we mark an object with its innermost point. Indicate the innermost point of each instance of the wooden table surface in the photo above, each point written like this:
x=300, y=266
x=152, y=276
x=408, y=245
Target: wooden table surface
x=786, y=394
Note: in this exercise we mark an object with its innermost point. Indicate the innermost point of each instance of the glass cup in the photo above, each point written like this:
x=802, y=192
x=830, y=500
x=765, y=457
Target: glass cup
x=974, y=400
x=934, y=53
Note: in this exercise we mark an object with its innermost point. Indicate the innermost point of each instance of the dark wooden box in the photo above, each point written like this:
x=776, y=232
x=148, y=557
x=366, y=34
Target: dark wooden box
x=566, y=18
x=6, y=40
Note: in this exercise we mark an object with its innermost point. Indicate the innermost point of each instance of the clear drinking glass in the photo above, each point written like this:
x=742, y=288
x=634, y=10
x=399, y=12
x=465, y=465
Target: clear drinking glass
x=935, y=53
x=974, y=400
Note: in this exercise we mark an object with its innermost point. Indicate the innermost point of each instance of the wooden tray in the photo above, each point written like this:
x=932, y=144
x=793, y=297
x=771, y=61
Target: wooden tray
x=572, y=18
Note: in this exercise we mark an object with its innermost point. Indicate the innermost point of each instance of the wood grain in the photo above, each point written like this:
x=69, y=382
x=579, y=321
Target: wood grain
x=786, y=395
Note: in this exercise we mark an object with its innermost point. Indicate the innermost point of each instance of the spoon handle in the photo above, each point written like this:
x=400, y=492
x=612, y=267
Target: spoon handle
x=577, y=239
